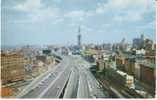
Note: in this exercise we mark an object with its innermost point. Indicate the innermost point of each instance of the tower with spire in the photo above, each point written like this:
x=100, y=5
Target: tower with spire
x=79, y=37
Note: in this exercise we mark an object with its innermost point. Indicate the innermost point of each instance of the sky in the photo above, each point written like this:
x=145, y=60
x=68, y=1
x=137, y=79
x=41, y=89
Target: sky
x=57, y=21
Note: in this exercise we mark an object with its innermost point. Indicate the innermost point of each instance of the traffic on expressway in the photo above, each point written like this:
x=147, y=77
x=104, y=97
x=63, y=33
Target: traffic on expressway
x=71, y=78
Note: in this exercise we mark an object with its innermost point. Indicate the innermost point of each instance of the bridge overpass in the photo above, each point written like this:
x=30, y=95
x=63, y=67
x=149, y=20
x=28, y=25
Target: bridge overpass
x=69, y=79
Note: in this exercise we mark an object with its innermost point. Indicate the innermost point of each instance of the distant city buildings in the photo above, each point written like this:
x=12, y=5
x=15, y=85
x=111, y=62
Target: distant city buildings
x=138, y=43
x=121, y=63
x=125, y=64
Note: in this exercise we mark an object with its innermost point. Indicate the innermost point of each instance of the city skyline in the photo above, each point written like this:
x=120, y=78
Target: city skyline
x=57, y=22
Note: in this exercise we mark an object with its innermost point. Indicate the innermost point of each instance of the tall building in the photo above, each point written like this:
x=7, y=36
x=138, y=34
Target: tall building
x=142, y=37
x=138, y=43
x=79, y=37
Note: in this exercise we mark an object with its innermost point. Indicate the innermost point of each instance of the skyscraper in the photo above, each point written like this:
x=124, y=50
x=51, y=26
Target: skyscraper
x=79, y=37
x=142, y=37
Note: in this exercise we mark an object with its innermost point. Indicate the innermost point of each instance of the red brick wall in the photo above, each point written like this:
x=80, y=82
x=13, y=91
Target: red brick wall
x=148, y=75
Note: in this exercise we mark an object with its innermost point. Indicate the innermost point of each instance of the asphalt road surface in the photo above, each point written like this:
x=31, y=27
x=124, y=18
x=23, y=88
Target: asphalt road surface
x=71, y=78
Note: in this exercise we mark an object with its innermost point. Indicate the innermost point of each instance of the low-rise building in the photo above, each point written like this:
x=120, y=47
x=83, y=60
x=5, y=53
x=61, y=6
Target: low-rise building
x=100, y=65
x=120, y=63
x=12, y=67
x=129, y=65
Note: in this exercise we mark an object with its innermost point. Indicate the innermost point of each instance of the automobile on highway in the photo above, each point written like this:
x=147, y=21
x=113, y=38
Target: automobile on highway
x=31, y=90
x=58, y=87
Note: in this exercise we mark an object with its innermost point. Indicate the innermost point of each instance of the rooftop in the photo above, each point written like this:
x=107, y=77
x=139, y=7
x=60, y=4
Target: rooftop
x=146, y=63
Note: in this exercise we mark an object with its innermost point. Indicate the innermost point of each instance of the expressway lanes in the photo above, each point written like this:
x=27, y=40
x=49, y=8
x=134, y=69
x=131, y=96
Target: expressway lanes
x=40, y=83
x=55, y=89
x=83, y=89
x=72, y=86
x=34, y=83
x=95, y=88
x=70, y=79
x=37, y=90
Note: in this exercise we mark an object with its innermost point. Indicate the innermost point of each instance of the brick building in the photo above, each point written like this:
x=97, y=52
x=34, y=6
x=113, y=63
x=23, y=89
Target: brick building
x=12, y=67
x=147, y=74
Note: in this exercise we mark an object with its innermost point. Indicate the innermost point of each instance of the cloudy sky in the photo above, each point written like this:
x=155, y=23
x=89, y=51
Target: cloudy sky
x=57, y=21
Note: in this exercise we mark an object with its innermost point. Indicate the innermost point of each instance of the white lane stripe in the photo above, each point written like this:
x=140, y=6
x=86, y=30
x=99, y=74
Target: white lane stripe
x=50, y=85
x=34, y=83
x=37, y=80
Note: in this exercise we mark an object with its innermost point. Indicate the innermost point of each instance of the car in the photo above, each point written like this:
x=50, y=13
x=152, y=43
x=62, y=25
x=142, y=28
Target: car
x=37, y=87
x=58, y=87
x=40, y=84
x=47, y=77
x=43, y=81
x=50, y=75
x=31, y=90
x=94, y=96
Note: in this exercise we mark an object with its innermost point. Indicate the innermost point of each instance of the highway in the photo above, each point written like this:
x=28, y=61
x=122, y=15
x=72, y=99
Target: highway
x=83, y=90
x=72, y=86
x=35, y=89
x=70, y=79
x=56, y=88
x=95, y=89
